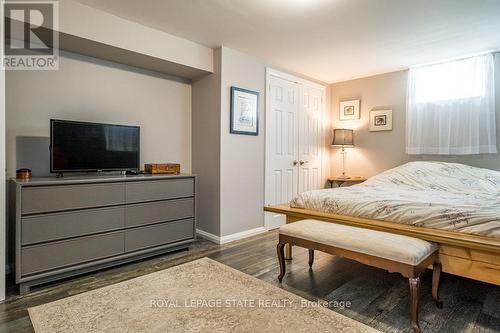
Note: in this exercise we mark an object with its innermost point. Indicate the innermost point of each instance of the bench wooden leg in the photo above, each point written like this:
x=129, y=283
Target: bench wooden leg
x=288, y=252
x=436, y=276
x=281, y=260
x=414, y=293
x=311, y=258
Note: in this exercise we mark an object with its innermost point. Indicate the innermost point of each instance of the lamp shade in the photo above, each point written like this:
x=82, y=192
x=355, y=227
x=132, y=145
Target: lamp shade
x=343, y=137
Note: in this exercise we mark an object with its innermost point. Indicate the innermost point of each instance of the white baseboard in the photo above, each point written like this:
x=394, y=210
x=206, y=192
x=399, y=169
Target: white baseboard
x=209, y=236
x=241, y=235
x=232, y=237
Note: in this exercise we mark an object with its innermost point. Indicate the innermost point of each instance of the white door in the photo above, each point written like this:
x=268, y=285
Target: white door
x=310, y=139
x=294, y=140
x=282, y=145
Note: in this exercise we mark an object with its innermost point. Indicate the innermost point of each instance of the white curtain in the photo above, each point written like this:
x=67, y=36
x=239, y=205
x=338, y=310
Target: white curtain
x=451, y=108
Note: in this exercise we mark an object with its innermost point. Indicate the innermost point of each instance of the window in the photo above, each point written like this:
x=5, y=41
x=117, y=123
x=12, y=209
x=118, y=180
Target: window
x=451, y=108
x=450, y=81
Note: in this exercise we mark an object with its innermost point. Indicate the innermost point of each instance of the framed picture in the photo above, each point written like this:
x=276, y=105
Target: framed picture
x=244, y=111
x=380, y=120
x=349, y=110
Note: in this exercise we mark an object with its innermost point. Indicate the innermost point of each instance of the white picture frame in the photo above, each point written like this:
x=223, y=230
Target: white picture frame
x=380, y=120
x=349, y=110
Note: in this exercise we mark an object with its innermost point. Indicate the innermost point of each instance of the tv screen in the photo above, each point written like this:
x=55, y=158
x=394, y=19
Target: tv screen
x=80, y=146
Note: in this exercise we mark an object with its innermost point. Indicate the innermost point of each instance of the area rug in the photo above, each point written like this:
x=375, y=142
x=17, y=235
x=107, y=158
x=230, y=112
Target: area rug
x=199, y=296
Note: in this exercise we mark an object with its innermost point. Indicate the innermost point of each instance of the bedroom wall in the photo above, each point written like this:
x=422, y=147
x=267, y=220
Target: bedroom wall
x=230, y=167
x=90, y=89
x=206, y=146
x=242, y=156
x=378, y=151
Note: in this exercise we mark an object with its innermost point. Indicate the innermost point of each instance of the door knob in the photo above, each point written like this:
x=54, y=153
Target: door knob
x=303, y=162
x=295, y=162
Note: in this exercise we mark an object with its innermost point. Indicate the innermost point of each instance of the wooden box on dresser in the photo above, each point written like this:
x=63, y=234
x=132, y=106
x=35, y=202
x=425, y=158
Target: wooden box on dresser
x=68, y=226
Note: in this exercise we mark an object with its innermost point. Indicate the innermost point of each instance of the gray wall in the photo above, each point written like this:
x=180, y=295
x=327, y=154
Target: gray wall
x=242, y=156
x=378, y=151
x=206, y=146
x=89, y=89
x=230, y=167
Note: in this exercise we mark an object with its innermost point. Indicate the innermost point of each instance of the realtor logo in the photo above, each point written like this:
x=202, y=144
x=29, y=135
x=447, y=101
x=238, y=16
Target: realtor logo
x=31, y=38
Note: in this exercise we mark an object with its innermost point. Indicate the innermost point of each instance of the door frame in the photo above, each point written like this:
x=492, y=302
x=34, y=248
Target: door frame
x=296, y=79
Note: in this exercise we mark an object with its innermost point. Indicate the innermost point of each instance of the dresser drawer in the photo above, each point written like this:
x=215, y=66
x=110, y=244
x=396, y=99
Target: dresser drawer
x=39, y=258
x=159, y=211
x=158, y=234
x=159, y=189
x=50, y=227
x=56, y=198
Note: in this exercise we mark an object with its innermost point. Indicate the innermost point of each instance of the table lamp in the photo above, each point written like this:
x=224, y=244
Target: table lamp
x=343, y=138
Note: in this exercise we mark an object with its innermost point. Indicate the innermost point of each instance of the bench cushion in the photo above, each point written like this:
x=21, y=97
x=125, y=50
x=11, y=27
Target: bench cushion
x=399, y=248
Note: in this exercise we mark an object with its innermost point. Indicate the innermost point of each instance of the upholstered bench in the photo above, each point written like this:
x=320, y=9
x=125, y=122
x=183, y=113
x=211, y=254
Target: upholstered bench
x=395, y=253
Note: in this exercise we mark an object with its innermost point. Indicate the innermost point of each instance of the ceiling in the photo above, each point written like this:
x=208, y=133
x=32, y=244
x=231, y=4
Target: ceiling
x=329, y=40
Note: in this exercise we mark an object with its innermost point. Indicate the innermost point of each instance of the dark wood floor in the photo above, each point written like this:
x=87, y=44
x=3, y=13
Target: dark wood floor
x=379, y=299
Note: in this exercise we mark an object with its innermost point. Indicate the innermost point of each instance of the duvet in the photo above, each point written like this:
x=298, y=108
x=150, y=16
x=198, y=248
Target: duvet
x=447, y=196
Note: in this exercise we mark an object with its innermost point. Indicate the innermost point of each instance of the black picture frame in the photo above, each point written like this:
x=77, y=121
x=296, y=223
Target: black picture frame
x=232, y=112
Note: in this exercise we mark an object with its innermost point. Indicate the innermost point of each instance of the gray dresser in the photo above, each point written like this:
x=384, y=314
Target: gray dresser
x=73, y=225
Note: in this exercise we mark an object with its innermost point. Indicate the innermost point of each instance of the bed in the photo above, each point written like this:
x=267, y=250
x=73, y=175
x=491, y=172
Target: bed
x=455, y=205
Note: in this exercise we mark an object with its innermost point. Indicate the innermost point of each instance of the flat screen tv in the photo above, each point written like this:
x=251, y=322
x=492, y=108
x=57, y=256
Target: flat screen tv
x=85, y=147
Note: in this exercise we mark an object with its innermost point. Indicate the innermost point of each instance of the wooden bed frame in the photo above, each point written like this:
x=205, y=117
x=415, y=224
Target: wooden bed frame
x=462, y=254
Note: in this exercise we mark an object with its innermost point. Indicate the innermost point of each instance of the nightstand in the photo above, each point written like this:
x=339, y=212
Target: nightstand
x=339, y=181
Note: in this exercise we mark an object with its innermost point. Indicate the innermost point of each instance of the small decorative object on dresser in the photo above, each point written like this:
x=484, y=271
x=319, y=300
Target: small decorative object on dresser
x=244, y=111
x=343, y=181
x=162, y=168
x=349, y=110
x=23, y=173
x=380, y=120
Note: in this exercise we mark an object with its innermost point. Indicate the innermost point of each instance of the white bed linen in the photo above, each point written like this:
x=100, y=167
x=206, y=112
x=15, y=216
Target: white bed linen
x=447, y=196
